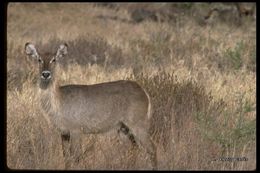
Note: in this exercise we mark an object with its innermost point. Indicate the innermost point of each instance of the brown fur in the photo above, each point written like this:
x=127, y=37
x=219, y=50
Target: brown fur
x=93, y=109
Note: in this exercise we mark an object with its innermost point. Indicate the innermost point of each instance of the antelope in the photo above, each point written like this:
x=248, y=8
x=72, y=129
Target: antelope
x=92, y=109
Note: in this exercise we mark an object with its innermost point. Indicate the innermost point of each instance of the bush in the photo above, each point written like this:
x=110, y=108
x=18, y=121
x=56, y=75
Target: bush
x=185, y=115
x=174, y=104
x=234, y=56
x=228, y=128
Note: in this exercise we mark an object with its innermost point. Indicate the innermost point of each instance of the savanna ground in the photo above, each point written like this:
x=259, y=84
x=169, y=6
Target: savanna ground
x=200, y=76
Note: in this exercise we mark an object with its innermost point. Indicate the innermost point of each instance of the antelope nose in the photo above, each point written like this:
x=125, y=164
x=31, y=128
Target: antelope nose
x=46, y=74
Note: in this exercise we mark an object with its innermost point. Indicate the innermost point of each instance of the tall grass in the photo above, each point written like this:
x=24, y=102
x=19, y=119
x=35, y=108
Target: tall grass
x=201, y=84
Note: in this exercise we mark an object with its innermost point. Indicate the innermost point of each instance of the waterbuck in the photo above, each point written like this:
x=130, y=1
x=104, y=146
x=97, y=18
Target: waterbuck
x=121, y=105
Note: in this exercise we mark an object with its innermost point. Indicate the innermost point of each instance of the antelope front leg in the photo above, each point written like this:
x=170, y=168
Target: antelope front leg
x=65, y=139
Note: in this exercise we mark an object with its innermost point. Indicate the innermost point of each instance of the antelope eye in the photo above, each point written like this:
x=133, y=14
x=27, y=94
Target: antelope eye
x=39, y=60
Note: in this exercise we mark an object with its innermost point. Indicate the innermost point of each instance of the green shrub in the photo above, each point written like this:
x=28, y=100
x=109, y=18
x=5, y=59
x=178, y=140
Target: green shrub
x=234, y=56
x=227, y=127
x=252, y=60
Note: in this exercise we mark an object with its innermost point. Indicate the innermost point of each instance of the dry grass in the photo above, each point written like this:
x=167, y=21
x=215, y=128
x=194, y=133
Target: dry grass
x=201, y=79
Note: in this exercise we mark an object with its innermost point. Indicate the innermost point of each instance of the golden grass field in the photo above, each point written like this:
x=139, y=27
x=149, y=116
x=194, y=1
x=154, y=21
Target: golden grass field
x=200, y=76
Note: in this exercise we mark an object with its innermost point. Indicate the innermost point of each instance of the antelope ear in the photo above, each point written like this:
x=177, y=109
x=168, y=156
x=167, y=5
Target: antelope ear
x=31, y=50
x=62, y=50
